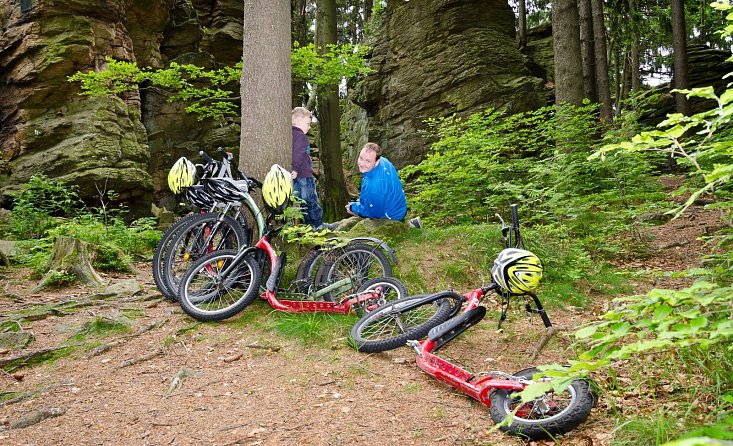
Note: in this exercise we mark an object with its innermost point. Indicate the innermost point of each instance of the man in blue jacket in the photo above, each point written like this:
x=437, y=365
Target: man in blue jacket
x=381, y=193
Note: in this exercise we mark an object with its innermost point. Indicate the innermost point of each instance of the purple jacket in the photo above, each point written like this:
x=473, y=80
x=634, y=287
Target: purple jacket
x=301, y=154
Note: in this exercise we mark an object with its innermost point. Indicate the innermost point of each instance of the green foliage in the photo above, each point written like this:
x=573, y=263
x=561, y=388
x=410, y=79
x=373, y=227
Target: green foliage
x=214, y=93
x=59, y=279
x=46, y=209
x=115, y=243
x=39, y=204
x=483, y=163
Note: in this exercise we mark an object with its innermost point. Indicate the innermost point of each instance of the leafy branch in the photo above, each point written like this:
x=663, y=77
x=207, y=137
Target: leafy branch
x=213, y=94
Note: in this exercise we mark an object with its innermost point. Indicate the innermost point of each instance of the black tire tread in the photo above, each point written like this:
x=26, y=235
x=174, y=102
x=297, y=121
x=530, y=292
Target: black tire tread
x=578, y=412
x=396, y=341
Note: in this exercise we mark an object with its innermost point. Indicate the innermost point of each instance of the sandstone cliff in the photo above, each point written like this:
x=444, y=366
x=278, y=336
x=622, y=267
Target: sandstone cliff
x=434, y=58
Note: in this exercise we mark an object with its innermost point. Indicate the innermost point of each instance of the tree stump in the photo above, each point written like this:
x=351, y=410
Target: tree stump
x=72, y=256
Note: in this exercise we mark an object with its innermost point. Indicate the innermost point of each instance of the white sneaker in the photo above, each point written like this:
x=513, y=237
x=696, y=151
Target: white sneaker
x=415, y=223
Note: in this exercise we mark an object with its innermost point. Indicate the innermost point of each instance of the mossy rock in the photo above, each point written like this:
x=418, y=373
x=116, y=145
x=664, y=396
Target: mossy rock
x=378, y=227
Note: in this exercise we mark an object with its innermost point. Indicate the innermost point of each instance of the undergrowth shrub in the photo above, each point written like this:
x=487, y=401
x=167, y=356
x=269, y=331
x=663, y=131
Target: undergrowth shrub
x=39, y=204
x=481, y=164
x=46, y=209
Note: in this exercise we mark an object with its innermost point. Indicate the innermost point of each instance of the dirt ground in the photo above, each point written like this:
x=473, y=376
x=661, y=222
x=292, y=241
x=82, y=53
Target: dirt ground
x=170, y=381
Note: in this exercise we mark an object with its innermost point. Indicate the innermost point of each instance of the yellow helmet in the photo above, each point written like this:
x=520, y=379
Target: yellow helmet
x=517, y=270
x=181, y=175
x=277, y=188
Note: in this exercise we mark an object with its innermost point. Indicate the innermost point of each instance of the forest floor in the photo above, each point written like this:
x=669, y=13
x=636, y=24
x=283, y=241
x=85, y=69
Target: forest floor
x=171, y=381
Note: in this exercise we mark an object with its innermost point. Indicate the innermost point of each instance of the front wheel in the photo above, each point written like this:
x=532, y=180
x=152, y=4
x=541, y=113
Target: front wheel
x=391, y=325
x=219, y=285
x=549, y=415
x=378, y=292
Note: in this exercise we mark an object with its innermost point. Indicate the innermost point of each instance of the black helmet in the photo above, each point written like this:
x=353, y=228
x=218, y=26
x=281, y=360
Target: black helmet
x=225, y=190
x=197, y=196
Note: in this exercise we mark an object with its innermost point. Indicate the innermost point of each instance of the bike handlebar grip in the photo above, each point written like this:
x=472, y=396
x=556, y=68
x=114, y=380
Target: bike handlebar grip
x=515, y=215
x=205, y=157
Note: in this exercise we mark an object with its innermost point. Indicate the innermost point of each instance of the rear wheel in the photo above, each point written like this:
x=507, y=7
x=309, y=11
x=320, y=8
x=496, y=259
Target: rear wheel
x=391, y=325
x=307, y=269
x=358, y=262
x=160, y=252
x=549, y=415
x=219, y=285
x=204, y=234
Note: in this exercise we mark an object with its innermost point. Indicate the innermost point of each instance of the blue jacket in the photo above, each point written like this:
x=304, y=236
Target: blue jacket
x=381, y=193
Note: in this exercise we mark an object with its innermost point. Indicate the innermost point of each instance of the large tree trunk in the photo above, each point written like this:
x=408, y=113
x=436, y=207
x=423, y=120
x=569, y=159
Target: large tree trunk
x=602, y=82
x=589, y=51
x=522, y=24
x=679, y=46
x=568, y=59
x=300, y=35
x=332, y=179
x=368, y=6
x=635, y=41
x=266, y=136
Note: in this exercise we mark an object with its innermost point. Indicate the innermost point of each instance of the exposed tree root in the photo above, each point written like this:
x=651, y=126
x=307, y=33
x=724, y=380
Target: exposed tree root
x=140, y=359
x=546, y=336
x=37, y=416
x=33, y=393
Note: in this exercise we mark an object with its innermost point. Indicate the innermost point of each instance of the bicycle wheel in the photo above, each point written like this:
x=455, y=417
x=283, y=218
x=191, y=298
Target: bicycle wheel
x=357, y=261
x=390, y=326
x=210, y=293
x=385, y=289
x=308, y=267
x=204, y=234
x=547, y=416
x=162, y=249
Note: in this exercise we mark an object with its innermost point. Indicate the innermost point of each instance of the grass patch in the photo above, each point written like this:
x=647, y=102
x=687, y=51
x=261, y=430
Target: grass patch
x=654, y=429
x=100, y=327
x=311, y=328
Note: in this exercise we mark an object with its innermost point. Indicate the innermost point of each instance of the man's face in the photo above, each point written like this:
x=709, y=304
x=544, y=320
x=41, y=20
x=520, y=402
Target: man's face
x=367, y=160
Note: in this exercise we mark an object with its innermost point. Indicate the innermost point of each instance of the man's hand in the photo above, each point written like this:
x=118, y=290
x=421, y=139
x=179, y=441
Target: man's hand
x=294, y=174
x=348, y=209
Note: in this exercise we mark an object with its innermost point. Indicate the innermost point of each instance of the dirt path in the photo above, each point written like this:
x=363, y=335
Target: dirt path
x=242, y=383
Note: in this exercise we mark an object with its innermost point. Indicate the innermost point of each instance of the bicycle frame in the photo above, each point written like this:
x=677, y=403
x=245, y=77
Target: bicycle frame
x=453, y=375
x=301, y=306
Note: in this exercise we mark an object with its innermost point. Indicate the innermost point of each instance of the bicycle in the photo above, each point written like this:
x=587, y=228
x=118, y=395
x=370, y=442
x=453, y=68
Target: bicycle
x=405, y=321
x=223, y=222
x=224, y=283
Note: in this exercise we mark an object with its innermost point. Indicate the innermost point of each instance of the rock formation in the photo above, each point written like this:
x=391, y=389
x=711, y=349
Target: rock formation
x=434, y=58
x=125, y=144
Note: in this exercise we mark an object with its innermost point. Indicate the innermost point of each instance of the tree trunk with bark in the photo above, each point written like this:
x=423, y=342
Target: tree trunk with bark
x=522, y=24
x=266, y=136
x=602, y=81
x=568, y=59
x=300, y=35
x=679, y=46
x=332, y=179
x=588, y=48
x=635, y=41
